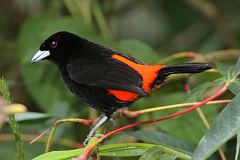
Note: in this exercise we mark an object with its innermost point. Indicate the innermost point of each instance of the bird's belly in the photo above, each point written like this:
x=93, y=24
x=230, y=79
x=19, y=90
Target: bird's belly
x=97, y=98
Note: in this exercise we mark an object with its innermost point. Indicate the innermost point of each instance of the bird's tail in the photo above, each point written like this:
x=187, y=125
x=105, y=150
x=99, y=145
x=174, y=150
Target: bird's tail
x=178, y=69
x=185, y=68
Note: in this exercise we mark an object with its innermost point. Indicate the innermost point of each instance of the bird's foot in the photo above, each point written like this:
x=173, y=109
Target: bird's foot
x=87, y=140
x=98, y=135
x=93, y=131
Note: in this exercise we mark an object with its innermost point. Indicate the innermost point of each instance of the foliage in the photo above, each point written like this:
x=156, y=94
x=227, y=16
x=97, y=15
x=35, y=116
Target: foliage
x=4, y=92
x=152, y=31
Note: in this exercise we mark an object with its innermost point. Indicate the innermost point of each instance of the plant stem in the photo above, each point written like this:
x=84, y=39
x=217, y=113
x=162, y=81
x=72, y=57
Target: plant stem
x=181, y=105
x=89, y=149
x=203, y=118
x=58, y=122
x=221, y=55
x=177, y=56
x=16, y=131
x=97, y=12
x=80, y=9
x=4, y=91
x=93, y=140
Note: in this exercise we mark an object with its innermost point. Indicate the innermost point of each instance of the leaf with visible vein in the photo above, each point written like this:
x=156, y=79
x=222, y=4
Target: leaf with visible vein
x=236, y=69
x=225, y=126
x=163, y=139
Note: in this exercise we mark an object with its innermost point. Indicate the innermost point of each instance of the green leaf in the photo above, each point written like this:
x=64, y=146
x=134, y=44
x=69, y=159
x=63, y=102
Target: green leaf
x=118, y=138
x=138, y=50
x=156, y=153
x=8, y=150
x=115, y=150
x=237, y=146
x=187, y=127
x=197, y=91
x=166, y=156
x=152, y=153
x=163, y=139
x=223, y=70
x=43, y=80
x=192, y=129
x=225, y=126
x=59, y=110
x=31, y=117
x=236, y=69
x=234, y=87
x=4, y=92
x=200, y=89
x=60, y=155
x=124, y=149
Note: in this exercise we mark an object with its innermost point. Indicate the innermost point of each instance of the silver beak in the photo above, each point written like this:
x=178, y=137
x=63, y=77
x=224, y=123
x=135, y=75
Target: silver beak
x=40, y=55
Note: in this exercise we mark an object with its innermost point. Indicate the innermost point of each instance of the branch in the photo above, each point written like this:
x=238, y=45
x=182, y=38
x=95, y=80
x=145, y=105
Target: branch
x=177, y=56
x=91, y=147
x=132, y=114
x=58, y=122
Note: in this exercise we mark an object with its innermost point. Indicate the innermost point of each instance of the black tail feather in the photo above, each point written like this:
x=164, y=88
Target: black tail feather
x=178, y=69
x=185, y=68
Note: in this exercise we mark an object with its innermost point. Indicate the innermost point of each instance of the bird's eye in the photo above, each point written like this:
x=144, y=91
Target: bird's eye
x=53, y=44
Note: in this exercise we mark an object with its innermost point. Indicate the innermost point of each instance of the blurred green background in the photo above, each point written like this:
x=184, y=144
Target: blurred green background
x=149, y=30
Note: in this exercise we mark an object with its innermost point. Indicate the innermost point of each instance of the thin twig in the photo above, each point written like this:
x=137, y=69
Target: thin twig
x=177, y=56
x=167, y=107
x=58, y=122
x=39, y=136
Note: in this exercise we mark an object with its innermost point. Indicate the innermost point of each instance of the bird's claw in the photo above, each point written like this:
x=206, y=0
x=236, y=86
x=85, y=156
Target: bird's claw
x=86, y=140
x=93, y=131
x=98, y=135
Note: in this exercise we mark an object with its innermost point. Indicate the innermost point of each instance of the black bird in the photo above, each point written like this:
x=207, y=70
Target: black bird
x=103, y=78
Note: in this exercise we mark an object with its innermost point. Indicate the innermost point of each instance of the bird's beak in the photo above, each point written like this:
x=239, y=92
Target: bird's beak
x=40, y=55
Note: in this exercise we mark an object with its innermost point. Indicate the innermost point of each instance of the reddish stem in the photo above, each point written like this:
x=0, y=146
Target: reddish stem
x=191, y=54
x=187, y=87
x=87, y=122
x=87, y=153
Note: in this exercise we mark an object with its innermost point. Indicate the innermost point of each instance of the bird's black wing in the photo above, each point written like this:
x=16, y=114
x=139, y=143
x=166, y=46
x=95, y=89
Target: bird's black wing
x=105, y=73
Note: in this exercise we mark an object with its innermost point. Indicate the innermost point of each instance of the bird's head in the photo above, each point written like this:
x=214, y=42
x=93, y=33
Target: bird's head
x=57, y=47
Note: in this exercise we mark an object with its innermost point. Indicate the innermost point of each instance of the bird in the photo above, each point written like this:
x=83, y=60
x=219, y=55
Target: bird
x=105, y=79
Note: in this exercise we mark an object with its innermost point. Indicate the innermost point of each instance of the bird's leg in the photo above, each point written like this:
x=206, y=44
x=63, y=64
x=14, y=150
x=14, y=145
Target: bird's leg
x=93, y=131
x=114, y=123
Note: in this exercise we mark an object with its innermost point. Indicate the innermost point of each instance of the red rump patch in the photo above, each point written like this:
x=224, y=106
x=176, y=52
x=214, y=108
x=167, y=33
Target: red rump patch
x=123, y=95
x=148, y=73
